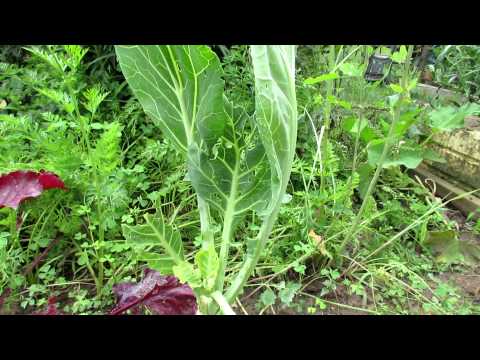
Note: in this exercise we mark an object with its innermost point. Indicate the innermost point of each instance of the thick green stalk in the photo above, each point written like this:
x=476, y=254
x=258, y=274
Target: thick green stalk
x=227, y=232
x=222, y=303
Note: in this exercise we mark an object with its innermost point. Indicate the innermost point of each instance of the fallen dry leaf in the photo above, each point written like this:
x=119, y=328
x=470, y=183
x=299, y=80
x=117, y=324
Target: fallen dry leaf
x=318, y=240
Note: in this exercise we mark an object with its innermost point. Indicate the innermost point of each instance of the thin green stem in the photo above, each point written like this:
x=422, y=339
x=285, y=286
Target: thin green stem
x=383, y=156
x=327, y=110
x=373, y=182
x=252, y=258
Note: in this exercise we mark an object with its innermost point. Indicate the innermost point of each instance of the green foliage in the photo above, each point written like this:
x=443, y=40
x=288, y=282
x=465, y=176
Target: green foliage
x=456, y=66
x=181, y=88
x=448, y=118
x=131, y=193
x=155, y=232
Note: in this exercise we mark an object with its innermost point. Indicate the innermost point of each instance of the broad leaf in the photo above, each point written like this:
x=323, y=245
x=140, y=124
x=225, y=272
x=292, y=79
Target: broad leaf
x=233, y=172
x=429, y=154
x=447, y=248
x=156, y=233
x=354, y=125
x=180, y=87
x=276, y=110
x=17, y=186
x=163, y=295
x=448, y=118
x=352, y=69
x=406, y=156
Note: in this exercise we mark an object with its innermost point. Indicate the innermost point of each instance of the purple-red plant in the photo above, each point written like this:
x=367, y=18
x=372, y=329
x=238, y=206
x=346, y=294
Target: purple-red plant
x=51, y=308
x=17, y=186
x=162, y=295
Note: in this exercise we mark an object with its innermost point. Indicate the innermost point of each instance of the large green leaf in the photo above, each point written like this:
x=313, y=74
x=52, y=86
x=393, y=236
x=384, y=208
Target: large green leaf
x=180, y=87
x=354, y=125
x=233, y=172
x=409, y=156
x=447, y=118
x=276, y=110
x=156, y=233
x=448, y=248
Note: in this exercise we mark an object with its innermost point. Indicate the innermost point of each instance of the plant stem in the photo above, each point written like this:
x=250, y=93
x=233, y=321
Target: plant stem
x=227, y=233
x=383, y=156
x=252, y=258
x=373, y=182
x=204, y=211
x=222, y=303
x=327, y=109
x=101, y=227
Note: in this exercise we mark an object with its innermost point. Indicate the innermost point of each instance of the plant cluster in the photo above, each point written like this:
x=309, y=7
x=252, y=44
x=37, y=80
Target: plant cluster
x=273, y=173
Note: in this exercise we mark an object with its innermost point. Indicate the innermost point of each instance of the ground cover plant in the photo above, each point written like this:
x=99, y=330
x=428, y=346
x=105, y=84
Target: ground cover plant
x=225, y=180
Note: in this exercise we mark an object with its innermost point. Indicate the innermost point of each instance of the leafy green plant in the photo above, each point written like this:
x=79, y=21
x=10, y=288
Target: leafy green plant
x=236, y=163
x=456, y=66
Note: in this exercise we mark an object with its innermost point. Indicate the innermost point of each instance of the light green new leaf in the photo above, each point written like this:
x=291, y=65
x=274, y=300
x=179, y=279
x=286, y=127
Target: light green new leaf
x=401, y=55
x=180, y=87
x=187, y=274
x=406, y=156
x=354, y=125
x=448, y=118
x=208, y=263
x=321, y=78
x=352, y=69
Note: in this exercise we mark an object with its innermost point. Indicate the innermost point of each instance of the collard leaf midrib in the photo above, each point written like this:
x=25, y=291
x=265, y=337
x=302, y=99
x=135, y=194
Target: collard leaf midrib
x=276, y=113
x=179, y=87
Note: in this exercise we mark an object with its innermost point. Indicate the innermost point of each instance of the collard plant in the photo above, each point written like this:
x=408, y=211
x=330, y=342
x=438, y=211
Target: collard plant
x=237, y=163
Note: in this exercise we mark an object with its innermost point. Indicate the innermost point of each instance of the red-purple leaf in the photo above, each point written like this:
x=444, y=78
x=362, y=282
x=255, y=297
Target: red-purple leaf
x=163, y=295
x=51, y=308
x=20, y=185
